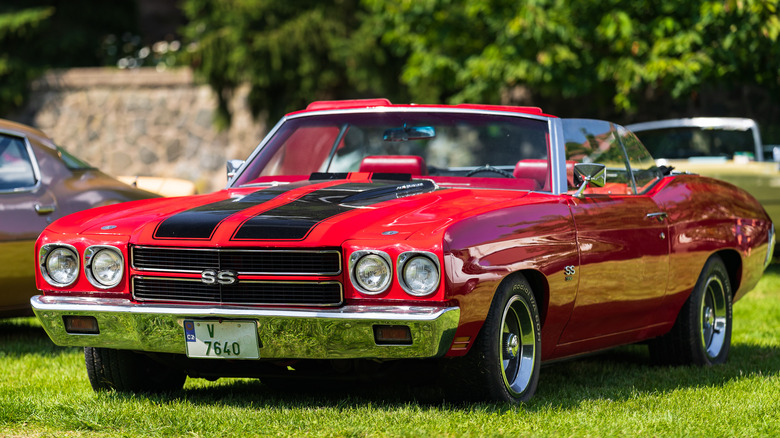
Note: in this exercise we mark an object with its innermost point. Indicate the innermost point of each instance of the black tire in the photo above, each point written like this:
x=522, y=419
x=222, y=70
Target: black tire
x=503, y=364
x=127, y=371
x=702, y=333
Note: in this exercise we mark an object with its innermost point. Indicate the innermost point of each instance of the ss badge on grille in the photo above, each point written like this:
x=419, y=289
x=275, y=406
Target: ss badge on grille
x=212, y=276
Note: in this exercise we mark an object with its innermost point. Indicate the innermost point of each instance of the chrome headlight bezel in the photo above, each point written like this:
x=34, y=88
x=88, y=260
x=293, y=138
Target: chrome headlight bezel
x=43, y=263
x=403, y=262
x=355, y=263
x=95, y=251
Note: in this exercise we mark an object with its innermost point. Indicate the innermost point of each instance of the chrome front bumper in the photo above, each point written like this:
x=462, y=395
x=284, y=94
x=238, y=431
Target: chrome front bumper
x=344, y=333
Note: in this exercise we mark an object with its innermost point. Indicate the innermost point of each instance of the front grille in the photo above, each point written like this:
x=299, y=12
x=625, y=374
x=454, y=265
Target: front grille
x=243, y=261
x=304, y=293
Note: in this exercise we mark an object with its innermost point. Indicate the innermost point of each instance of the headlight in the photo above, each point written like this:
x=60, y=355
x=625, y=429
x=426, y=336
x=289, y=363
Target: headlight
x=59, y=264
x=104, y=266
x=370, y=271
x=418, y=273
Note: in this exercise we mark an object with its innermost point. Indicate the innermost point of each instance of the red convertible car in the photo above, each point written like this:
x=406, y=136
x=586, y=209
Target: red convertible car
x=484, y=239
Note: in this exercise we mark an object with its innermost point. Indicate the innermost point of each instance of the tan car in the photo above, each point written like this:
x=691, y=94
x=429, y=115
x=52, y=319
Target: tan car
x=39, y=183
x=726, y=148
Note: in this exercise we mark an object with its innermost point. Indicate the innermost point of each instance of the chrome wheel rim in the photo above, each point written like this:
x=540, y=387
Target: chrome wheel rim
x=517, y=349
x=713, y=317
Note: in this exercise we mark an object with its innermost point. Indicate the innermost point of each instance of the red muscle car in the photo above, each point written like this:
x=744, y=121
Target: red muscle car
x=488, y=239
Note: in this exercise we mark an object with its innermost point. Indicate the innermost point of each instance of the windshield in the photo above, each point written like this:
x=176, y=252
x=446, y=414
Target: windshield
x=431, y=144
x=688, y=142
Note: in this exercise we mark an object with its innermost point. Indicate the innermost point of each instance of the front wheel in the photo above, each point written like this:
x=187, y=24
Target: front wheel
x=127, y=371
x=702, y=333
x=503, y=364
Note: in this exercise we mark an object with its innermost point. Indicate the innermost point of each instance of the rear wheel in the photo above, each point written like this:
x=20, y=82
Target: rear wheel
x=702, y=333
x=127, y=371
x=503, y=364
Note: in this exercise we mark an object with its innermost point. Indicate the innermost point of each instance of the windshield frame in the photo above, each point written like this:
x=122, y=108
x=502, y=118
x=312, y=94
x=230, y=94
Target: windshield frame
x=552, y=129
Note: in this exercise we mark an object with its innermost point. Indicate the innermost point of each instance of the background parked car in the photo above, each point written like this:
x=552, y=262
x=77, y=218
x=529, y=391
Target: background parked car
x=726, y=148
x=41, y=182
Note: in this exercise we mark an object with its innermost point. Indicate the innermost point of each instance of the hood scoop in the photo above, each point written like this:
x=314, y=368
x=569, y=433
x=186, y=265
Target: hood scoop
x=388, y=192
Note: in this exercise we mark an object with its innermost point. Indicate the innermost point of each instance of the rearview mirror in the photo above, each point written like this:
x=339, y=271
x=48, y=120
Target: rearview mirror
x=409, y=133
x=589, y=173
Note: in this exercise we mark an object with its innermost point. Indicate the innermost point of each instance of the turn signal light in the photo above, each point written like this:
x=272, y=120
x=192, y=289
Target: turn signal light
x=83, y=325
x=392, y=335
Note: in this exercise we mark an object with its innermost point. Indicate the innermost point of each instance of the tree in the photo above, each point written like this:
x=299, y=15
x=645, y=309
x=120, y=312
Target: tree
x=290, y=53
x=17, y=29
x=36, y=35
x=609, y=55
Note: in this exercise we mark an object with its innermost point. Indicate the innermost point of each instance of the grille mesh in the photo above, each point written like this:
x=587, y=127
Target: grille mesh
x=279, y=262
x=294, y=293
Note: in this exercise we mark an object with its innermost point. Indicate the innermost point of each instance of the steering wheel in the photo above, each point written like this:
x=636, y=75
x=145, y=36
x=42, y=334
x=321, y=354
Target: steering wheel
x=489, y=168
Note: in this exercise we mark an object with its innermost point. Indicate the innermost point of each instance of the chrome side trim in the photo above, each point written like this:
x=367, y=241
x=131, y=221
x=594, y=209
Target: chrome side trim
x=342, y=333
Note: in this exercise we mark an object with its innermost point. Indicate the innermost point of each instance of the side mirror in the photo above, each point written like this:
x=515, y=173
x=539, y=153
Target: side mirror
x=232, y=168
x=589, y=173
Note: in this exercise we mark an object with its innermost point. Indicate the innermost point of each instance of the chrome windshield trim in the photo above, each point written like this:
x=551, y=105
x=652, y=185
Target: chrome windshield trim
x=389, y=109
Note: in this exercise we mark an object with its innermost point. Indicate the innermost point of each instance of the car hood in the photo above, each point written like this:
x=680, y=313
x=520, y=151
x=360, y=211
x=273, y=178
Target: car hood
x=315, y=213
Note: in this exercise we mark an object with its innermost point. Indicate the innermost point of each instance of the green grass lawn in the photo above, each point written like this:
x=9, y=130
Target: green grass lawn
x=44, y=392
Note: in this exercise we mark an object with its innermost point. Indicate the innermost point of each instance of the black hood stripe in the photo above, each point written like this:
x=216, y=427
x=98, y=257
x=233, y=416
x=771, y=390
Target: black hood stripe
x=201, y=222
x=294, y=221
x=291, y=221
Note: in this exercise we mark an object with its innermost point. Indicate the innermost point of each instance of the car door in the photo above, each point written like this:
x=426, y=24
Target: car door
x=621, y=236
x=26, y=207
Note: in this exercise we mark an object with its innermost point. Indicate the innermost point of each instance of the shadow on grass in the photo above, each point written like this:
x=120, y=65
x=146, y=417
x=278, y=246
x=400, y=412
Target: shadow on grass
x=25, y=336
x=625, y=373
x=617, y=375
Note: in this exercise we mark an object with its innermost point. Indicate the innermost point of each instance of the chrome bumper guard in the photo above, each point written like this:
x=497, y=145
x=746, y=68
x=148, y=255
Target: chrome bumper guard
x=343, y=333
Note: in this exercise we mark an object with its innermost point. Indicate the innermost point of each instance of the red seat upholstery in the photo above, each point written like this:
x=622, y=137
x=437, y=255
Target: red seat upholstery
x=536, y=169
x=411, y=164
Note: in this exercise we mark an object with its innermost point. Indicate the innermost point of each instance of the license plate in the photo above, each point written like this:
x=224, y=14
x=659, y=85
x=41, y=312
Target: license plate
x=221, y=339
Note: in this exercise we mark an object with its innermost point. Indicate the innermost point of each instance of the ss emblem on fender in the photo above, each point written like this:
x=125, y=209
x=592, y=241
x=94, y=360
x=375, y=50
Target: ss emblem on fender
x=569, y=272
x=212, y=276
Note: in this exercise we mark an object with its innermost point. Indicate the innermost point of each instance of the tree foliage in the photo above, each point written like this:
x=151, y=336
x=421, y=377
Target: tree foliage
x=289, y=52
x=621, y=50
x=606, y=56
x=39, y=34
x=16, y=30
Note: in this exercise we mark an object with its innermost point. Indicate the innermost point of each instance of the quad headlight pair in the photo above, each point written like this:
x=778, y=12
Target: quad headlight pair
x=371, y=272
x=103, y=265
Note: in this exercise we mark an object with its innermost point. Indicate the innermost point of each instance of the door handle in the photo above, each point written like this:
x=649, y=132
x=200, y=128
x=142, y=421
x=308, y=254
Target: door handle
x=43, y=209
x=660, y=216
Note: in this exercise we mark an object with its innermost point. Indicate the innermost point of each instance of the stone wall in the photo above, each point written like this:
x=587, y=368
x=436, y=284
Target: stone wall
x=142, y=122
